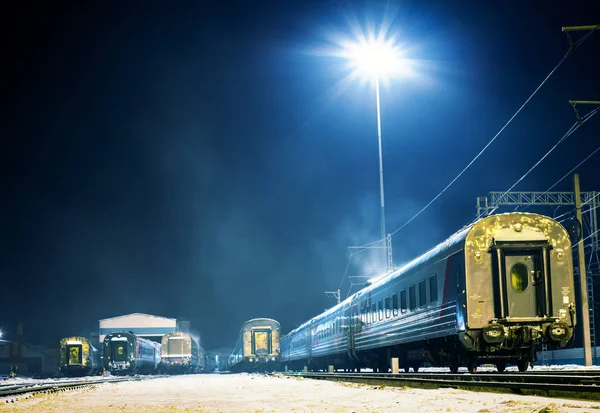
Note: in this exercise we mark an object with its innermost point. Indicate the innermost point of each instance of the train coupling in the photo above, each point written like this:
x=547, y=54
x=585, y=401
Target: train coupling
x=559, y=332
x=510, y=335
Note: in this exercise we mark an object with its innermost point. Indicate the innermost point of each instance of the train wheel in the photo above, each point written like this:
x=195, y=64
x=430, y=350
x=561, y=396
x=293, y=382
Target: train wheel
x=523, y=364
x=501, y=366
x=454, y=368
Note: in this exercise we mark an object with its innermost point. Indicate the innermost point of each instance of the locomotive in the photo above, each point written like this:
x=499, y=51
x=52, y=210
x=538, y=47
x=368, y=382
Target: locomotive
x=181, y=353
x=78, y=357
x=493, y=292
x=125, y=353
x=257, y=348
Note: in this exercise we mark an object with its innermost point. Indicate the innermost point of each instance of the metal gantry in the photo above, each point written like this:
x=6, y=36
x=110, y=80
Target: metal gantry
x=589, y=202
x=333, y=294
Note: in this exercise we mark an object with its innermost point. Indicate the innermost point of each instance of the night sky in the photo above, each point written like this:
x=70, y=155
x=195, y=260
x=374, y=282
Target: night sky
x=203, y=162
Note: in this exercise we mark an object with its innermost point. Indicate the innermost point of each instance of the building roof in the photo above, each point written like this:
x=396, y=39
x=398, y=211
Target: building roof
x=138, y=314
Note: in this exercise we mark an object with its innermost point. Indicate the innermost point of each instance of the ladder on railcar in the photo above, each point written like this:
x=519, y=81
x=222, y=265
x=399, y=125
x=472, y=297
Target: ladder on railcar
x=544, y=354
x=590, y=290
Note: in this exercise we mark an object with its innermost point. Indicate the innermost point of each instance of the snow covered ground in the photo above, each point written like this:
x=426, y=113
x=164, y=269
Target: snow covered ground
x=27, y=380
x=18, y=380
x=514, y=368
x=257, y=393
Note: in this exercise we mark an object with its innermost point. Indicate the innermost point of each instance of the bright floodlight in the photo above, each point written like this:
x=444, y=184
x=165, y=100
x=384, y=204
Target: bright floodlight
x=375, y=58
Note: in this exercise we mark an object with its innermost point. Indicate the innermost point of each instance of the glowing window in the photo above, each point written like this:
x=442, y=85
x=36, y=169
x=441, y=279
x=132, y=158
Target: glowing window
x=519, y=278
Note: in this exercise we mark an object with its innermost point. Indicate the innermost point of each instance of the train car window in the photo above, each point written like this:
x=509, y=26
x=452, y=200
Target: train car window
x=374, y=312
x=403, y=301
x=412, y=297
x=433, y=292
x=388, y=307
x=422, y=294
x=395, y=304
x=363, y=316
x=380, y=305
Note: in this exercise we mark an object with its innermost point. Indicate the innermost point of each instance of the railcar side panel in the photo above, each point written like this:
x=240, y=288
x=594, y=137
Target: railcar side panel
x=495, y=290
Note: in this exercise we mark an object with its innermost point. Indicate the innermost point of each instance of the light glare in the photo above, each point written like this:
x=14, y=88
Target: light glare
x=374, y=59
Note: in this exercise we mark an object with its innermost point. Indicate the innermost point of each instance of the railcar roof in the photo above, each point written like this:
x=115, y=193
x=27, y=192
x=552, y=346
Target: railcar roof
x=262, y=319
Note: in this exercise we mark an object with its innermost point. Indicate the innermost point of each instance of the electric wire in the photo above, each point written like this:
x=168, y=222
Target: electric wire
x=567, y=54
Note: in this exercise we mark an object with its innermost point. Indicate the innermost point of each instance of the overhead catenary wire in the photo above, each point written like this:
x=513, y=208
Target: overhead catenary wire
x=571, y=130
x=589, y=236
x=567, y=54
x=584, y=203
x=564, y=176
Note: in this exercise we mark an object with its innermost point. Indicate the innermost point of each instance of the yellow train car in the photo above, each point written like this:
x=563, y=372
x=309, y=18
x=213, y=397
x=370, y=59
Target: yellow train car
x=257, y=348
x=78, y=357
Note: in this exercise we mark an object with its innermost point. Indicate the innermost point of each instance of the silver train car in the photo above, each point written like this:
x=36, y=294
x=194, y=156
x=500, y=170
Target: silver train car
x=493, y=292
x=181, y=353
x=126, y=353
x=258, y=346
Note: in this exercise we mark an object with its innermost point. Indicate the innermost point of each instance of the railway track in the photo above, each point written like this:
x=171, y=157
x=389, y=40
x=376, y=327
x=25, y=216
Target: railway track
x=571, y=384
x=10, y=393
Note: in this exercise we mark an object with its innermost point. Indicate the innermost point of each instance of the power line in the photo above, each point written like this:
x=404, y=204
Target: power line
x=571, y=130
x=501, y=130
x=565, y=176
x=591, y=235
x=585, y=203
x=352, y=254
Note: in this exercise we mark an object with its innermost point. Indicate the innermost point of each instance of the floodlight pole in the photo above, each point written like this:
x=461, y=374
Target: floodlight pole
x=383, y=237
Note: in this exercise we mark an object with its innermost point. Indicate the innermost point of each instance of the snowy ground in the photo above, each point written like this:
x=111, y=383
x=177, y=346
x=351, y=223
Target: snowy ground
x=4, y=381
x=28, y=380
x=256, y=393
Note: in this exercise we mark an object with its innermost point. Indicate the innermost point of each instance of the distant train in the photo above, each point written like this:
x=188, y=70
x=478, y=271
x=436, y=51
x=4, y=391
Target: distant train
x=78, y=357
x=180, y=353
x=126, y=353
x=257, y=348
x=493, y=292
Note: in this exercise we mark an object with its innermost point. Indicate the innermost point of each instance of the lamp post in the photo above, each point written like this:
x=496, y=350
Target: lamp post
x=381, y=192
x=374, y=59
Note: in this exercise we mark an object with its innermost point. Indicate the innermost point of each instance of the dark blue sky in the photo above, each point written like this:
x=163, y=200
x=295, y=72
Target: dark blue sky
x=197, y=161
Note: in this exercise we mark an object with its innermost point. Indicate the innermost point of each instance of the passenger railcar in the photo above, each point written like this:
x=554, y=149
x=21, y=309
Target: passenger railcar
x=494, y=292
x=126, y=353
x=257, y=348
x=181, y=353
x=78, y=357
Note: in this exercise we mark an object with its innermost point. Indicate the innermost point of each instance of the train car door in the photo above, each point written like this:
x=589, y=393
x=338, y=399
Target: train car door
x=522, y=280
x=74, y=354
x=261, y=342
x=521, y=273
x=118, y=347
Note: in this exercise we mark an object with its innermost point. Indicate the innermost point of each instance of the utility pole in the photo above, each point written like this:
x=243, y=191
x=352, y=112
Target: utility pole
x=585, y=308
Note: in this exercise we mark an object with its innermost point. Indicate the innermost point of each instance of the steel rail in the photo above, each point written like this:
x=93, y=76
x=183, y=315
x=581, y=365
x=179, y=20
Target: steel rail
x=32, y=387
x=584, y=386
